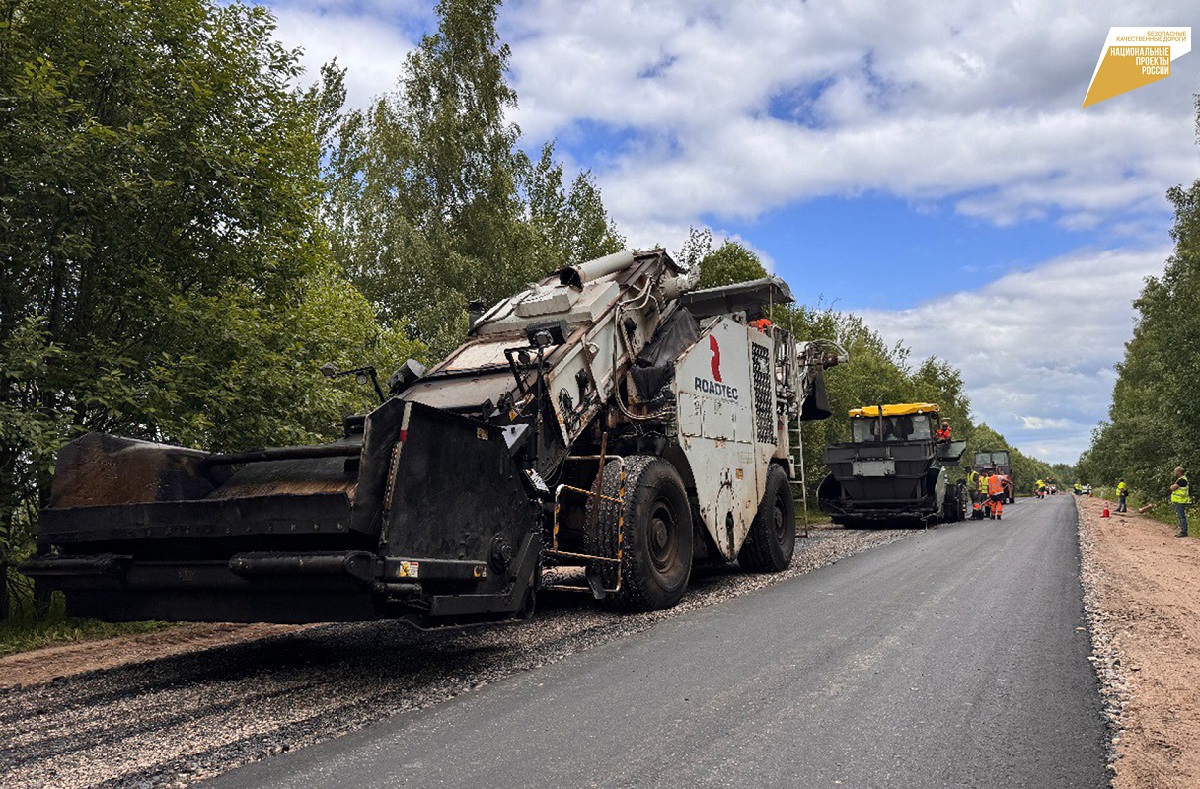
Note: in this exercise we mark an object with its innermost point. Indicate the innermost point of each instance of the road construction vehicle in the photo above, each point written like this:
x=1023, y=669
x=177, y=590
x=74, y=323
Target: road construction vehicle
x=892, y=471
x=600, y=432
x=999, y=460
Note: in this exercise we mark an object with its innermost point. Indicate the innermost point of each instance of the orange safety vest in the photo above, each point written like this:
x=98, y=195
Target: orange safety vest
x=996, y=484
x=943, y=434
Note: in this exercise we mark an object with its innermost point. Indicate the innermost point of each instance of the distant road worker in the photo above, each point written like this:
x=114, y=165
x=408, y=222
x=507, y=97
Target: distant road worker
x=981, y=486
x=1078, y=489
x=996, y=494
x=943, y=432
x=1041, y=489
x=1122, y=493
x=1181, y=496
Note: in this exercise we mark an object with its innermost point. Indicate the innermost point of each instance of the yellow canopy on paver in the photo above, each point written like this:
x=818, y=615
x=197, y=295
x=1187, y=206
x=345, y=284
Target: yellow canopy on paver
x=894, y=409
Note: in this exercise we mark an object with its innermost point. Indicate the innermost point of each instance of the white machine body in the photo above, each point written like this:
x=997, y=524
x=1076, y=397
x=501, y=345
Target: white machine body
x=732, y=422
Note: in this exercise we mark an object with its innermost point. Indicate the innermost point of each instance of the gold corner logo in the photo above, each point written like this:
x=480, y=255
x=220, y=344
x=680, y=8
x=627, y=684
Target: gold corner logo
x=1135, y=56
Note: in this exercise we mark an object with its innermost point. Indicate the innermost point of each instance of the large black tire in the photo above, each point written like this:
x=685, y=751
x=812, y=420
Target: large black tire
x=772, y=539
x=657, y=523
x=952, y=509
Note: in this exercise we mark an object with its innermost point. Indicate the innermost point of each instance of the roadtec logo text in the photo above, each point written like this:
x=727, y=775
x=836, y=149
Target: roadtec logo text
x=716, y=388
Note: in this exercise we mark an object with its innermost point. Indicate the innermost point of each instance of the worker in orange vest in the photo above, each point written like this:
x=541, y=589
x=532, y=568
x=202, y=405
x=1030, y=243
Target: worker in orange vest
x=943, y=432
x=997, y=494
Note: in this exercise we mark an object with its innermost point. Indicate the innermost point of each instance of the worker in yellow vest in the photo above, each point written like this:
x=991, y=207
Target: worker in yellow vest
x=981, y=487
x=996, y=494
x=1181, y=496
x=1041, y=489
x=1122, y=492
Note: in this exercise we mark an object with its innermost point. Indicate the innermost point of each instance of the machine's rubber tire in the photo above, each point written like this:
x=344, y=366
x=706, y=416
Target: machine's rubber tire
x=953, y=507
x=657, y=523
x=772, y=539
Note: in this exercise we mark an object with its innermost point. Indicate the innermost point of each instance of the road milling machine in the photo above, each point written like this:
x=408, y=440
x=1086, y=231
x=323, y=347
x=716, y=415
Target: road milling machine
x=893, y=471
x=608, y=419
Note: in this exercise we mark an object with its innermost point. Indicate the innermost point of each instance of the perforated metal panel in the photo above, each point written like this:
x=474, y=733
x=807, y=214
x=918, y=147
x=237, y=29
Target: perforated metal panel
x=764, y=423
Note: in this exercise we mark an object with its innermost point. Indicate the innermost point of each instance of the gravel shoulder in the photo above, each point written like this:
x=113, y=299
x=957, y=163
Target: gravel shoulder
x=1140, y=585
x=117, y=714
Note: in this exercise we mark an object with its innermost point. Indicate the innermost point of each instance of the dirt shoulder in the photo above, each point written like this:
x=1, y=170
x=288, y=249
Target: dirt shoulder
x=1141, y=585
x=50, y=663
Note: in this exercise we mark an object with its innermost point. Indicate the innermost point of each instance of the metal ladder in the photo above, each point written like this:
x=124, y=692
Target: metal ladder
x=796, y=449
x=553, y=556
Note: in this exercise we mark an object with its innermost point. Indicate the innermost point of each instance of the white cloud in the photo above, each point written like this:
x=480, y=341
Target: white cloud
x=1040, y=423
x=718, y=112
x=726, y=110
x=1040, y=344
x=366, y=40
x=757, y=104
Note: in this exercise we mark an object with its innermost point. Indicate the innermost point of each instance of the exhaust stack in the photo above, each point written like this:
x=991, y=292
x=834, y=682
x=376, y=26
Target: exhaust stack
x=577, y=276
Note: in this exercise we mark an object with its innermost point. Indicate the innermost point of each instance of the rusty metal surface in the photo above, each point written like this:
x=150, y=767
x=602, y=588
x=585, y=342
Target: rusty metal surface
x=339, y=450
x=290, y=478
x=482, y=353
x=462, y=392
x=99, y=469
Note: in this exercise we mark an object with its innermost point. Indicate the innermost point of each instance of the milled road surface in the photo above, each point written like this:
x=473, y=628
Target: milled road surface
x=954, y=658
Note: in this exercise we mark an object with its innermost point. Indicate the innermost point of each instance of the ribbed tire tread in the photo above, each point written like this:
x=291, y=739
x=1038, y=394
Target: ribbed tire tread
x=645, y=477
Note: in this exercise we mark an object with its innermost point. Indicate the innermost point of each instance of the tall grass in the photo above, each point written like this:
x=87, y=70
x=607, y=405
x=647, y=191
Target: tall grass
x=31, y=625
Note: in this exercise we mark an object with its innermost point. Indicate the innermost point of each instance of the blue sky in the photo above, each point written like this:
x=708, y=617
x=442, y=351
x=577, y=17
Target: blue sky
x=934, y=251
x=928, y=166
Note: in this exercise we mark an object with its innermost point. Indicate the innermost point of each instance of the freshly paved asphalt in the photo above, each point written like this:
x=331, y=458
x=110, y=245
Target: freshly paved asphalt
x=950, y=658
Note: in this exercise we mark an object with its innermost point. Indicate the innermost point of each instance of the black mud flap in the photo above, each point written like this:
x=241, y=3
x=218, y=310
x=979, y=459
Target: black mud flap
x=950, y=453
x=458, y=503
x=816, y=406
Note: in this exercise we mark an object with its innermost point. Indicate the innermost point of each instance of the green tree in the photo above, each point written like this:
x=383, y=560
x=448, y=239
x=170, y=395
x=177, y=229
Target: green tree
x=425, y=208
x=699, y=244
x=936, y=380
x=164, y=272
x=1152, y=424
x=728, y=264
x=570, y=224
x=433, y=204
